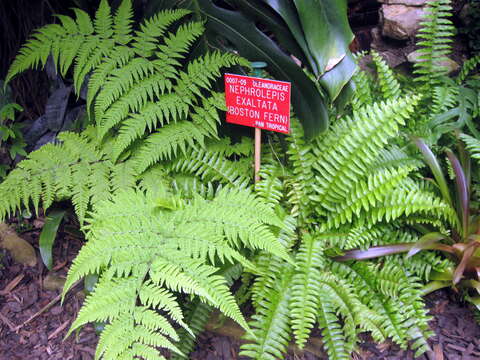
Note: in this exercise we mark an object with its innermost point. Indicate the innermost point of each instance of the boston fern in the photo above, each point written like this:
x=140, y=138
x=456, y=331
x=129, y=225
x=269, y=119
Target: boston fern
x=163, y=201
x=445, y=104
x=346, y=189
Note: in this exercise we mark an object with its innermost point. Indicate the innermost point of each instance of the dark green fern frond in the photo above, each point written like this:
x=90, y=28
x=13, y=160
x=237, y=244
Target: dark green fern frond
x=366, y=195
x=301, y=159
x=467, y=67
x=436, y=34
x=394, y=157
x=405, y=202
x=270, y=187
x=333, y=337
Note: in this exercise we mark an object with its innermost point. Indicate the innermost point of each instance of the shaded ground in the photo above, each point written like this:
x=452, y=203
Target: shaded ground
x=28, y=333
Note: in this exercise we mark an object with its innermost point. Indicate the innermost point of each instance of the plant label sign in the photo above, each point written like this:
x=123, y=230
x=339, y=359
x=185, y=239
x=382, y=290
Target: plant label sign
x=256, y=102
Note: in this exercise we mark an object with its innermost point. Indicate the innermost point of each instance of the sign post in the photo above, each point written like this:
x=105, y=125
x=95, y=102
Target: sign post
x=260, y=103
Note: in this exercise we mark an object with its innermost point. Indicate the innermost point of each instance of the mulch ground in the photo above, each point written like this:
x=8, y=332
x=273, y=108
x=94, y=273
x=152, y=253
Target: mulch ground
x=33, y=322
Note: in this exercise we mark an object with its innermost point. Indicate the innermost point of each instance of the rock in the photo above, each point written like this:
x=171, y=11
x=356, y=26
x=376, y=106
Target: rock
x=450, y=64
x=53, y=282
x=405, y=2
x=464, y=14
x=399, y=21
x=21, y=250
x=394, y=57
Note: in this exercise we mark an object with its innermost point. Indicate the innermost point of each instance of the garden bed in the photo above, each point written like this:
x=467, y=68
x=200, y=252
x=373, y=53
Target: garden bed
x=23, y=297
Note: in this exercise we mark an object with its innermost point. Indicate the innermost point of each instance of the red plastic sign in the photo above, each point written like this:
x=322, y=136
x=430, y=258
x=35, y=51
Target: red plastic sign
x=259, y=103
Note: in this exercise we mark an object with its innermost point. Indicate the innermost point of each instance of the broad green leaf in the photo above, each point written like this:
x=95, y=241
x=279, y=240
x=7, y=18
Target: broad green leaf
x=336, y=79
x=48, y=235
x=256, y=46
x=326, y=29
x=427, y=241
x=434, y=166
x=463, y=198
x=286, y=9
x=289, y=35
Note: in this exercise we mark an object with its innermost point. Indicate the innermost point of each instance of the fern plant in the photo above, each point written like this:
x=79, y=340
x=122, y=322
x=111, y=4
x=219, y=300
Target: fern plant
x=147, y=107
x=459, y=239
x=152, y=248
x=149, y=179
x=446, y=104
x=346, y=189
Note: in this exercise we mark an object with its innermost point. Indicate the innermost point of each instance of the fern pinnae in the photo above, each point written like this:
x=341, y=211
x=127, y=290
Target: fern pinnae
x=306, y=285
x=389, y=86
x=362, y=277
x=122, y=23
x=435, y=35
x=365, y=194
x=151, y=30
x=270, y=326
x=358, y=141
x=467, y=67
x=334, y=341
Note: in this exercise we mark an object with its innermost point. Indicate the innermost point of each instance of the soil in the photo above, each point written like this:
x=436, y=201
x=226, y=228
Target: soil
x=33, y=322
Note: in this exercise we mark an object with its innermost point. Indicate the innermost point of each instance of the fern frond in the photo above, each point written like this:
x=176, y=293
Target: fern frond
x=210, y=166
x=122, y=23
x=146, y=259
x=198, y=313
x=436, y=34
x=151, y=30
x=270, y=326
x=366, y=194
x=405, y=202
x=301, y=159
x=270, y=187
x=389, y=86
x=363, y=94
x=168, y=143
x=306, y=284
x=334, y=341
x=472, y=144
x=103, y=20
x=467, y=67
x=352, y=146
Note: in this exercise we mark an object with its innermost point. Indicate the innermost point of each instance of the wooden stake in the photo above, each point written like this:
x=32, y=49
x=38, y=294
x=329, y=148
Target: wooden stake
x=258, y=147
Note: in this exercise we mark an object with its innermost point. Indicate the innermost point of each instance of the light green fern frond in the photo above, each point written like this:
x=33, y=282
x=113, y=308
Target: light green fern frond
x=363, y=94
x=306, y=287
x=472, y=144
x=352, y=145
x=210, y=166
x=270, y=325
x=388, y=84
x=149, y=253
